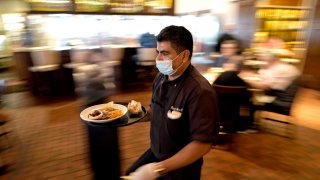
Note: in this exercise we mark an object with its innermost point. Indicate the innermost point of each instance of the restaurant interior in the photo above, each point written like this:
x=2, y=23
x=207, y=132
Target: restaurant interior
x=59, y=57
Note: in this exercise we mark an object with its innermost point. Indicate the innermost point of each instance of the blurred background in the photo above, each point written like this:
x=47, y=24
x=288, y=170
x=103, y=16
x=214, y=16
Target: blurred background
x=65, y=24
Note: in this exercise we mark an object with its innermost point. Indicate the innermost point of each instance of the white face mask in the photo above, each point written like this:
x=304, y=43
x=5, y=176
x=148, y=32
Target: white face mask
x=165, y=66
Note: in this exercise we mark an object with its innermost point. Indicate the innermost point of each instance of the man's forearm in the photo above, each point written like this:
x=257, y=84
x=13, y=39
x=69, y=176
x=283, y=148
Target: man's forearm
x=189, y=154
x=259, y=85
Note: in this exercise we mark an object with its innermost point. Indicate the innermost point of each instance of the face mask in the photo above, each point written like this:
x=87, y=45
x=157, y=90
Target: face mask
x=165, y=66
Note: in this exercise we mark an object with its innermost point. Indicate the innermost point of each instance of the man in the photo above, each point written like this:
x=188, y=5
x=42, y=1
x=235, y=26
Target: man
x=184, y=116
x=274, y=75
x=278, y=79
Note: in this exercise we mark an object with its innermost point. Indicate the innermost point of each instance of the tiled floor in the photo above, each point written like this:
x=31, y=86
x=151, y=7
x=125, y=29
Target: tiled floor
x=48, y=141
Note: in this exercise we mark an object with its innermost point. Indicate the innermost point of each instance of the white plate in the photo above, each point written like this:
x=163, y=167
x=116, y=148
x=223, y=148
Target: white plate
x=84, y=115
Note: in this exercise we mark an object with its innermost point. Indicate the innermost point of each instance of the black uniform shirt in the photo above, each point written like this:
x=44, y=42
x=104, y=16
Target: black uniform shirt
x=194, y=99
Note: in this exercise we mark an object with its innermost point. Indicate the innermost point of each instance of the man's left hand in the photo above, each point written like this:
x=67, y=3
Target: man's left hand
x=146, y=172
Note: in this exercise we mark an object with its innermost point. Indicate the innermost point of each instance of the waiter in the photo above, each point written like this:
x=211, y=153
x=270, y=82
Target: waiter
x=184, y=115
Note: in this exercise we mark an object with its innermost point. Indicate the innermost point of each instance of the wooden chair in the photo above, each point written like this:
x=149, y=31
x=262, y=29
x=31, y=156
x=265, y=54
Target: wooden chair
x=277, y=117
x=229, y=101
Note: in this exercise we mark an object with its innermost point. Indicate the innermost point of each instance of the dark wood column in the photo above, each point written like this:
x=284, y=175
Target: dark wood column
x=312, y=63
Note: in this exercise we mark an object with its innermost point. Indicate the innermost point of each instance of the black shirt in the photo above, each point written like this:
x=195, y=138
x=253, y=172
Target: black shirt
x=229, y=78
x=192, y=96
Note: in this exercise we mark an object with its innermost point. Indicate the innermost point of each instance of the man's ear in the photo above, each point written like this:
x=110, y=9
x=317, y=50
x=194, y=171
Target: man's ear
x=186, y=55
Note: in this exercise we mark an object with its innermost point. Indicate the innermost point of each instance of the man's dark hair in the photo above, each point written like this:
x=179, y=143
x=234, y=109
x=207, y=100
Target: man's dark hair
x=180, y=38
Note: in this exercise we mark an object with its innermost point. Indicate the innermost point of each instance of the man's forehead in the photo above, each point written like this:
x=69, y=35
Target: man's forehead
x=164, y=46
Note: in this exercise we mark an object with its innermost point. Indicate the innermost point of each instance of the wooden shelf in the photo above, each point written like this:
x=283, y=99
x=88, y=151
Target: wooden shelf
x=290, y=23
x=284, y=7
x=105, y=9
x=284, y=19
x=279, y=30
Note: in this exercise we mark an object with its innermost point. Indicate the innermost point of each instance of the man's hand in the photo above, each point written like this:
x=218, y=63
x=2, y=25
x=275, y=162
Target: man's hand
x=146, y=172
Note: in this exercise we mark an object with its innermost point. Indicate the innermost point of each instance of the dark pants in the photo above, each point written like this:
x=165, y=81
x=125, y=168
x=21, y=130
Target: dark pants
x=191, y=172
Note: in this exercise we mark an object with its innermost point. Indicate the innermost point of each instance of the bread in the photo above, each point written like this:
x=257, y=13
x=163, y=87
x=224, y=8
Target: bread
x=134, y=107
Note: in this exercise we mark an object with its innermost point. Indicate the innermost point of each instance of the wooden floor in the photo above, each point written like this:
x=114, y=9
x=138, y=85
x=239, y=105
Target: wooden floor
x=48, y=141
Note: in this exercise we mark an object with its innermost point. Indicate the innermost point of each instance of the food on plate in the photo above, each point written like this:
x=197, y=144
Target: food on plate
x=97, y=114
x=134, y=107
x=105, y=113
x=108, y=106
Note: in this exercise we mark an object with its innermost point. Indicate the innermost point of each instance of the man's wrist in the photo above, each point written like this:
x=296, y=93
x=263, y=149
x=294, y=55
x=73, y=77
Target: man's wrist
x=160, y=169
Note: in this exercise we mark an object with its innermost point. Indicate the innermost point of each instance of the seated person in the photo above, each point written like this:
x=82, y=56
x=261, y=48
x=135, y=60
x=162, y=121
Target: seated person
x=276, y=80
x=275, y=75
x=230, y=78
x=229, y=54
